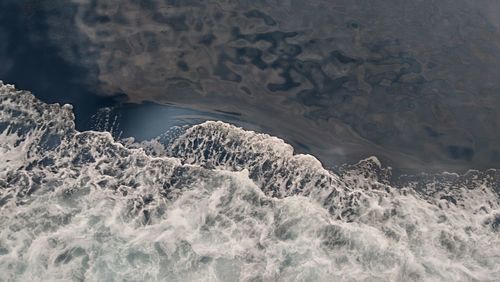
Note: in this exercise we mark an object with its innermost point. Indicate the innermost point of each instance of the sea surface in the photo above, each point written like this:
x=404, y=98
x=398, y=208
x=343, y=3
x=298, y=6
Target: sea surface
x=199, y=140
x=413, y=82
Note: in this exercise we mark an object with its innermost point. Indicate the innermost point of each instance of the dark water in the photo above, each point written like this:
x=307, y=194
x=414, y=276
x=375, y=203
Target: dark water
x=31, y=62
x=147, y=120
x=412, y=82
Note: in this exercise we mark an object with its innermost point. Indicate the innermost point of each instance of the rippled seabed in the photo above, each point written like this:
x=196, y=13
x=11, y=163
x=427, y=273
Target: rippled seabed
x=215, y=202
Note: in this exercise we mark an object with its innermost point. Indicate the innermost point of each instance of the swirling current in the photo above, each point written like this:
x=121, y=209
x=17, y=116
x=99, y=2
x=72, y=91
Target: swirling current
x=214, y=202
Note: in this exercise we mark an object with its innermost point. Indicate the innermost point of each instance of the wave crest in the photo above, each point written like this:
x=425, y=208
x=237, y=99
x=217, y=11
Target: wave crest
x=218, y=203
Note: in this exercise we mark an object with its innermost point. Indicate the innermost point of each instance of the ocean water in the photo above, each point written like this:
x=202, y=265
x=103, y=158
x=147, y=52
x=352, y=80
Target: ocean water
x=213, y=202
x=414, y=82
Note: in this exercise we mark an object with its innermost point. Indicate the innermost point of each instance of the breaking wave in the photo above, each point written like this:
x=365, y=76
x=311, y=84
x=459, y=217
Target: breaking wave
x=214, y=202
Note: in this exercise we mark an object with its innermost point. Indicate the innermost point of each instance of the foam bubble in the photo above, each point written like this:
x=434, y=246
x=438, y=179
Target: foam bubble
x=217, y=203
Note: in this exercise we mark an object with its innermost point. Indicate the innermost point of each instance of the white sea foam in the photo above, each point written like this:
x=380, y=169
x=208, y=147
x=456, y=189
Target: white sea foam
x=218, y=203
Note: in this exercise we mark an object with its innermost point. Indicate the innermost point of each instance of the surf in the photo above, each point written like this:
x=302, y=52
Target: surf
x=214, y=202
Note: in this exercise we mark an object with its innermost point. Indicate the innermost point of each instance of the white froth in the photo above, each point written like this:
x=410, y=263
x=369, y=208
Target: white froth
x=223, y=204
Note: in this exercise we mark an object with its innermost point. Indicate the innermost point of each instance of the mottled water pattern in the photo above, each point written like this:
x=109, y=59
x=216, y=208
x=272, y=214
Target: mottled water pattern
x=214, y=202
x=415, y=82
